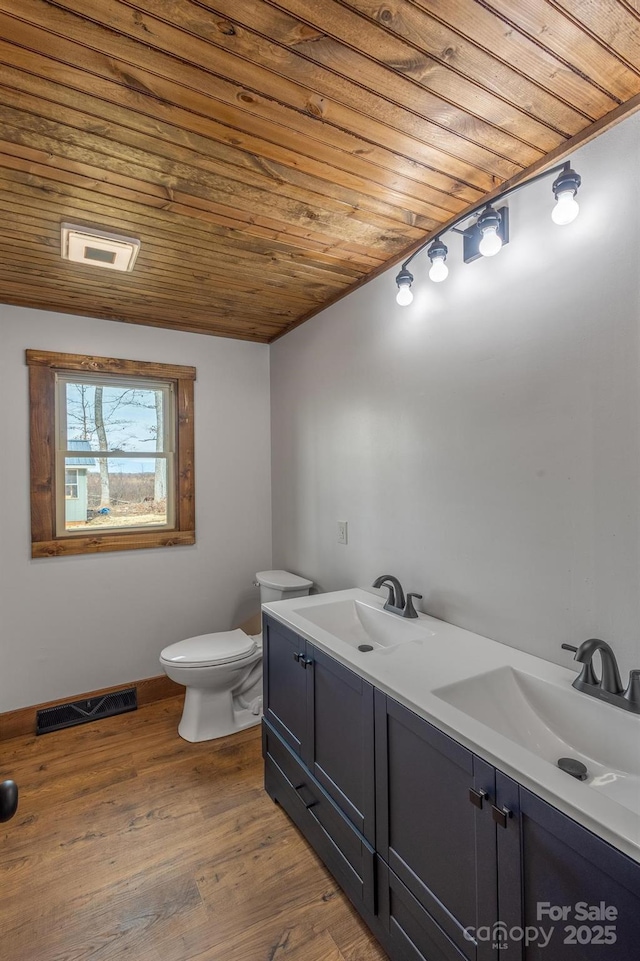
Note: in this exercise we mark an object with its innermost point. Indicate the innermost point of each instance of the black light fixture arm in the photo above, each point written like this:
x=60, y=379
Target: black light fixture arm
x=559, y=169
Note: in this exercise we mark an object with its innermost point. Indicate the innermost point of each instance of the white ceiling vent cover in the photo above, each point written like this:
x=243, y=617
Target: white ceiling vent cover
x=97, y=248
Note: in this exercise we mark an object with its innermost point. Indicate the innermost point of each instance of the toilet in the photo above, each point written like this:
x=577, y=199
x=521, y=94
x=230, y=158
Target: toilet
x=222, y=672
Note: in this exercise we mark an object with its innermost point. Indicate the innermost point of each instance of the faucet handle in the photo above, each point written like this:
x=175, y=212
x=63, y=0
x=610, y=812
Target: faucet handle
x=409, y=609
x=632, y=692
x=569, y=647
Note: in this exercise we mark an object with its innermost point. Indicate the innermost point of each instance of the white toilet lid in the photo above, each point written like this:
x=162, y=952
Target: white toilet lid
x=207, y=649
x=282, y=580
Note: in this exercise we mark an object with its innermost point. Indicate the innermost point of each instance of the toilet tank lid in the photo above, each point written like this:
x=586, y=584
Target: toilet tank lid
x=282, y=580
x=219, y=648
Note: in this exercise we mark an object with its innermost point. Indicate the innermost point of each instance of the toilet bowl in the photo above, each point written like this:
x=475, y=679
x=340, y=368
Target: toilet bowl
x=222, y=672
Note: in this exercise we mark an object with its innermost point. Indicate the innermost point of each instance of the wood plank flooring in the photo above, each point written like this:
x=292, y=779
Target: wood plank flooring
x=130, y=843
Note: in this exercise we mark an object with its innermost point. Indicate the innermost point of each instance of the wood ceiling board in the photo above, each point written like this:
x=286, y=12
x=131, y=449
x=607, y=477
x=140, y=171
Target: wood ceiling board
x=324, y=161
x=335, y=222
x=407, y=112
x=151, y=74
x=201, y=242
x=529, y=50
x=260, y=68
x=272, y=155
x=592, y=34
x=382, y=33
x=184, y=165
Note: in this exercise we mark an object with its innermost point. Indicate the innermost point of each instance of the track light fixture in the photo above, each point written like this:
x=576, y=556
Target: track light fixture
x=490, y=231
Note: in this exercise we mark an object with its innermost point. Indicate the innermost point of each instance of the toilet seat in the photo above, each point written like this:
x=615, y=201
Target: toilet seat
x=207, y=650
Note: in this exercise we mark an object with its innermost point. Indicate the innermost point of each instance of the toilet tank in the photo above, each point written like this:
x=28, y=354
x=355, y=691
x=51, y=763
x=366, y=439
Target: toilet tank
x=281, y=585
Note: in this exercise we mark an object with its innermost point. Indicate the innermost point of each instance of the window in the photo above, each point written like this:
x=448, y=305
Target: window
x=111, y=454
x=71, y=483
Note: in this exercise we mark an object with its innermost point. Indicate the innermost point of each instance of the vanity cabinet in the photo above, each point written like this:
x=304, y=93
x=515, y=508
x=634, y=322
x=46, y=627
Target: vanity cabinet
x=446, y=858
x=464, y=848
x=435, y=835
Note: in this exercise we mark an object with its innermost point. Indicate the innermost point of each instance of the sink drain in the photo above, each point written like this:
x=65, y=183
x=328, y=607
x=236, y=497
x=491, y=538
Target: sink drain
x=365, y=647
x=575, y=768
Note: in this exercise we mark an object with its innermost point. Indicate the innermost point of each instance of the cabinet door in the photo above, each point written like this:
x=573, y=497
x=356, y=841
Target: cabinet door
x=285, y=681
x=339, y=752
x=430, y=831
x=552, y=871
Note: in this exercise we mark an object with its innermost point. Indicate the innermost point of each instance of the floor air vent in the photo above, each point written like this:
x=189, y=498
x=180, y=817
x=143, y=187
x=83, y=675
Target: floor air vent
x=80, y=712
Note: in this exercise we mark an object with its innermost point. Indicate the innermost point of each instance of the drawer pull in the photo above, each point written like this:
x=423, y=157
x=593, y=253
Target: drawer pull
x=478, y=798
x=308, y=804
x=501, y=816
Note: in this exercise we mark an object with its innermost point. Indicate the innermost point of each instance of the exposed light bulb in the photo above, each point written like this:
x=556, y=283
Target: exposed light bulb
x=566, y=209
x=437, y=254
x=439, y=270
x=404, y=296
x=404, y=281
x=491, y=242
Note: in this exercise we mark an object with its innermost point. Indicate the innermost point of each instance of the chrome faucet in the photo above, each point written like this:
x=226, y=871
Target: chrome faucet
x=396, y=601
x=609, y=686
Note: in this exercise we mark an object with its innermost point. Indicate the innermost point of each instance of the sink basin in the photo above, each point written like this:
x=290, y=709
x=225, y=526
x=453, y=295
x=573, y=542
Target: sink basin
x=553, y=720
x=358, y=624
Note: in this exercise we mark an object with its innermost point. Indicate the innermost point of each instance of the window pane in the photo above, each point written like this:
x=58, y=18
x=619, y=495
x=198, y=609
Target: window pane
x=112, y=416
x=71, y=483
x=117, y=493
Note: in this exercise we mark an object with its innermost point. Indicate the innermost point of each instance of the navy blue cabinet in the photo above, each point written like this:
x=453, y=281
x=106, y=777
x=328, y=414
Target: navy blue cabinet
x=436, y=834
x=285, y=680
x=446, y=858
x=324, y=713
x=564, y=892
x=319, y=760
x=342, y=848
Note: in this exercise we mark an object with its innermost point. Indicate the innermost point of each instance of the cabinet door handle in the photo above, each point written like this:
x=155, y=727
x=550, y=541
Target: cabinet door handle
x=297, y=655
x=306, y=662
x=501, y=816
x=478, y=798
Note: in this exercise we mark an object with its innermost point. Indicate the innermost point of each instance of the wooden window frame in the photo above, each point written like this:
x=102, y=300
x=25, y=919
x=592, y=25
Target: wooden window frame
x=43, y=367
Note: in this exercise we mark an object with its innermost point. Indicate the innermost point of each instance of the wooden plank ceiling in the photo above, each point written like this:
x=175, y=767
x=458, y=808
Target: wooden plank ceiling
x=272, y=154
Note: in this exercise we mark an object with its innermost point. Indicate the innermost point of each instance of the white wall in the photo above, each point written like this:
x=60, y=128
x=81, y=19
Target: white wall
x=483, y=444
x=73, y=624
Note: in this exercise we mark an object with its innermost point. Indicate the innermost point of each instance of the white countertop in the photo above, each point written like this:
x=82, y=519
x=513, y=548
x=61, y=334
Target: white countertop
x=410, y=672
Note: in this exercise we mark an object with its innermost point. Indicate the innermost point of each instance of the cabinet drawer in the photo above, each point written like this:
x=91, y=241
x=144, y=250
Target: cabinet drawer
x=344, y=851
x=413, y=933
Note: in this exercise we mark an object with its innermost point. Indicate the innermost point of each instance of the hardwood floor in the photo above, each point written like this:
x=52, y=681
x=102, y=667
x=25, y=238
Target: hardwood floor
x=130, y=843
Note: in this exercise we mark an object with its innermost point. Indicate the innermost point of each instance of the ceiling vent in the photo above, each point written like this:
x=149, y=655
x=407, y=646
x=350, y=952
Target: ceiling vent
x=97, y=248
